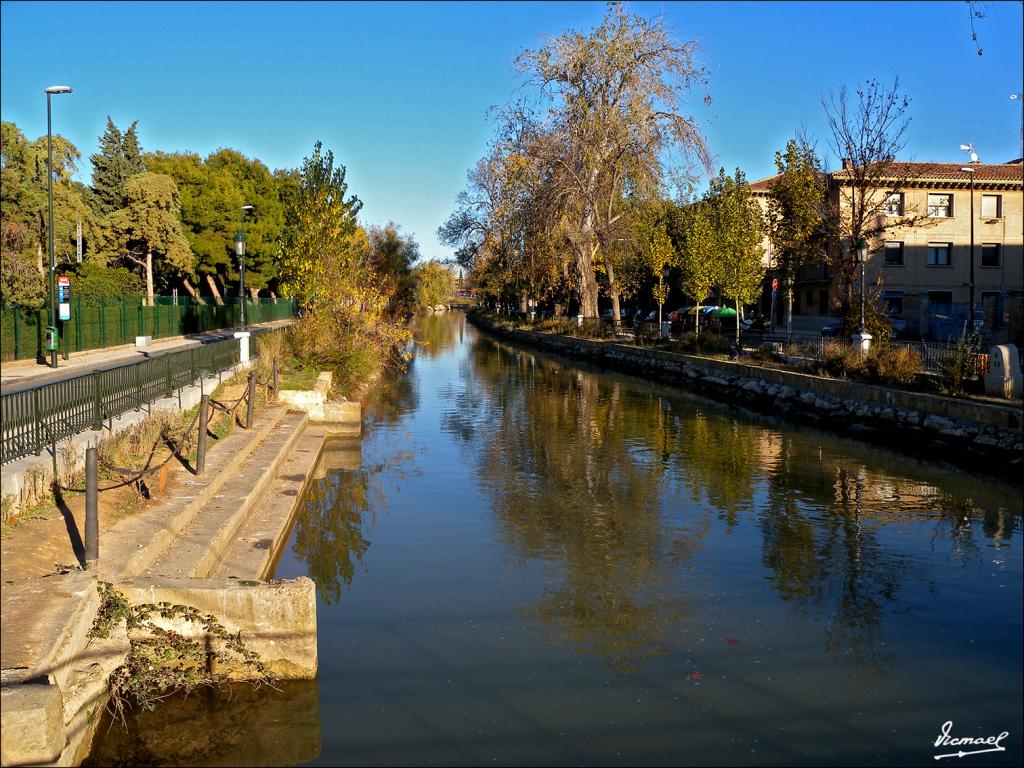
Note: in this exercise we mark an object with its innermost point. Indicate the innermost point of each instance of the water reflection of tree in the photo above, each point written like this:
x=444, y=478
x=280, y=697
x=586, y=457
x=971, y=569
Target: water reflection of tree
x=584, y=469
x=820, y=531
x=436, y=333
x=329, y=529
x=570, y=462
x=393, y=395
x=719, y=457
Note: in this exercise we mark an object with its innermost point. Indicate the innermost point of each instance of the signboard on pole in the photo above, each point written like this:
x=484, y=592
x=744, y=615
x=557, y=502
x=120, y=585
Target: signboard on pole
x=64, y=297
x=775, y=284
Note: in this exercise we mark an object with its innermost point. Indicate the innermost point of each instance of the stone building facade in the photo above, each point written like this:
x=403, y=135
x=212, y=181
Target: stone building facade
x=919, y=262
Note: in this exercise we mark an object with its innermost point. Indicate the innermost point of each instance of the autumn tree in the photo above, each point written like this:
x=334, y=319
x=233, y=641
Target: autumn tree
x=326, y=264
x=394, y=254
x=796, y=214
x=434, y=283
x=658, y=255
x=147, y=231
x=738, y=225
x=616, y=123
x=696, y=240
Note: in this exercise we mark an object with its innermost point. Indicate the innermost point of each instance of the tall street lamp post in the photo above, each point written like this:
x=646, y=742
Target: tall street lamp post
x=862, y=338
x=51, y=91
x=970, y=309
x=240, y=251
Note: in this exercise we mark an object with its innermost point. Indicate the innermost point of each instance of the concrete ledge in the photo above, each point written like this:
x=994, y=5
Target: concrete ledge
x=277, y=620
x=31, y=724
x=345, y=415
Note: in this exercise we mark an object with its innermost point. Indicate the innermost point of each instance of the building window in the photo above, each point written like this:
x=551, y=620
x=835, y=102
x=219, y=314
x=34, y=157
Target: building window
x=938, y=254
x=894, y=254
x=991, y=206
x=940, y=206
x=893, y=302
x=990, y=254
x=894, y=204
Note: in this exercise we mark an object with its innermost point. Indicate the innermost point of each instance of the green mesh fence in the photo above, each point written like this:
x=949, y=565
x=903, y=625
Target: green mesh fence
x=113, y=320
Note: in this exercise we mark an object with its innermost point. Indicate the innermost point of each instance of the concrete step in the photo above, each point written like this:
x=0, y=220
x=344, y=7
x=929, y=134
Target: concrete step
x=132, y=546
x=198, y=547
x=258, y=541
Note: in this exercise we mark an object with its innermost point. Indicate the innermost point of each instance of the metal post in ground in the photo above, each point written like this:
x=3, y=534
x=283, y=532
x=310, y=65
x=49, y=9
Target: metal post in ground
x=250, y=398
x=204, y=410
x=92, y=523
x=276, y=390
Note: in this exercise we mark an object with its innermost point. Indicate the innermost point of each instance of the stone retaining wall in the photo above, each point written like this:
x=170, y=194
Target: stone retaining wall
x=966, y=433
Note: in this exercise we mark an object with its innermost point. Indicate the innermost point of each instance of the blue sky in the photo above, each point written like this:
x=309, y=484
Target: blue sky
x=399, y=91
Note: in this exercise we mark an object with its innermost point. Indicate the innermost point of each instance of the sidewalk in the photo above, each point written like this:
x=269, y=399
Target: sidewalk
x=17, y=375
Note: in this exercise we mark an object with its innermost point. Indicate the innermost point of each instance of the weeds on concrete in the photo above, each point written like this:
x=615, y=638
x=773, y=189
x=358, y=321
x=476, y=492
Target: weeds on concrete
x=162, y=662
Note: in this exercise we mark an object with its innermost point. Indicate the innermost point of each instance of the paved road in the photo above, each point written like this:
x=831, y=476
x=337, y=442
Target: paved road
x=18, y=375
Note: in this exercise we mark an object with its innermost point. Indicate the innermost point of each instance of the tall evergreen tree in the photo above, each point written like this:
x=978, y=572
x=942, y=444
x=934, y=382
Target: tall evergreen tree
x=119, y=158
x=132, y=151
x=108, y=170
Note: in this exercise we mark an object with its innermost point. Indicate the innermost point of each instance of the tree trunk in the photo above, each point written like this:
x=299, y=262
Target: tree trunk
x=39, y=261
x=254, y=293
x=696, y=321
x=149, y=278
x=789, y=307
x=613, y=290
x=585, y=268
x=191, y=291
x=737, y=323
x=214, y=290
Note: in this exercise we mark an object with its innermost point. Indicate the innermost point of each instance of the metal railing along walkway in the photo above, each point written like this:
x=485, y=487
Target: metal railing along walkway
x=44, y=415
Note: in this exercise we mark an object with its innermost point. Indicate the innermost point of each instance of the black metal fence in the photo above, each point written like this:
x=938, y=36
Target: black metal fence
x=42, y=416
x=98, y=322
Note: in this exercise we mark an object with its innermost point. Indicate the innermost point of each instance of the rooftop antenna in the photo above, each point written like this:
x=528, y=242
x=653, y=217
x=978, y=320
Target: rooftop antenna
x=970, y=148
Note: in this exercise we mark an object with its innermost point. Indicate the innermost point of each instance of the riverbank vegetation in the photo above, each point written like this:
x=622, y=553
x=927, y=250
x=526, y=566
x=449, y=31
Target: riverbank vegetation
x=895, y=365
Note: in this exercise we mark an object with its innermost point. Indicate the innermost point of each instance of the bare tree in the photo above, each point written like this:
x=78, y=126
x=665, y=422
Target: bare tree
x=867, y=135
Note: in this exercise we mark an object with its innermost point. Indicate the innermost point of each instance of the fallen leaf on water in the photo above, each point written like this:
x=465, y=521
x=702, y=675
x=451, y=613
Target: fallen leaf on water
x=731, y=641
x=695, y=677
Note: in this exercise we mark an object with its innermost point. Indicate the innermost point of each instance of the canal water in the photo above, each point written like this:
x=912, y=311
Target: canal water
x=530, y=562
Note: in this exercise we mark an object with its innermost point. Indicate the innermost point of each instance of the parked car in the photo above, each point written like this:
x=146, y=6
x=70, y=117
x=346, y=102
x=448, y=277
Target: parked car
x=832, y=330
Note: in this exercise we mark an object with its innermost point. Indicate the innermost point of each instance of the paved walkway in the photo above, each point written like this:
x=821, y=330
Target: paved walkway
x=17, y=375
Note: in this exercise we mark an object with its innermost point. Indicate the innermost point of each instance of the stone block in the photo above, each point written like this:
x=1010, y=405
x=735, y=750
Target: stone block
x=31, y=724
x=1003, y=378
x=324, y=382
x=302, y=399
x=277, y=620
x=143, y=341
